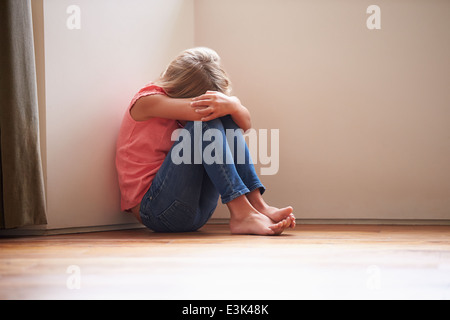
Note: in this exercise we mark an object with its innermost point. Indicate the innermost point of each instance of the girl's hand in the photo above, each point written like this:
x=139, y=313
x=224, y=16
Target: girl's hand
x=214, y=104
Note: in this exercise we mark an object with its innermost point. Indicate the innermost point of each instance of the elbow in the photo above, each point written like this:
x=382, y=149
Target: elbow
x=246, y=126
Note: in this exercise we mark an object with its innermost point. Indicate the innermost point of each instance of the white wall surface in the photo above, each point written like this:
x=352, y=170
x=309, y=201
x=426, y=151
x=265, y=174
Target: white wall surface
x=91, y=74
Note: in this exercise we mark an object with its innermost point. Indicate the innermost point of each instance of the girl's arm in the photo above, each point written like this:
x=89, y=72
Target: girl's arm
x=208, y=106
x=242, y=117
x=213, y=104
x=162, y=106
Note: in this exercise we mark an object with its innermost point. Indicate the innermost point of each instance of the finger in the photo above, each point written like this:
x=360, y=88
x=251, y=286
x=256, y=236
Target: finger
x=200, y=103
x=208, y=118
x=204, y=111
x=198, y=98
x=206, y=96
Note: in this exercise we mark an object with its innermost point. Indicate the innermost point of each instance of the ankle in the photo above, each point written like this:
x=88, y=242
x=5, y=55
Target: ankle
x=256, y=199
x=257, y=202
x=240, y=208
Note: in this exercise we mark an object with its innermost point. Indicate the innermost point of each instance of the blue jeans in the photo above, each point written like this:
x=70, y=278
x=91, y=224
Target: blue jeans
x=182, y=197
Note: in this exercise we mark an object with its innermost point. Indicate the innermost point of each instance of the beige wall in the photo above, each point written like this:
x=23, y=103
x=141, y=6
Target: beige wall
x=364, y=115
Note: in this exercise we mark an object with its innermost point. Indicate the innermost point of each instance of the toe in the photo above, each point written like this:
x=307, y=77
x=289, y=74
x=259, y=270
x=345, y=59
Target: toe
x=277, y=228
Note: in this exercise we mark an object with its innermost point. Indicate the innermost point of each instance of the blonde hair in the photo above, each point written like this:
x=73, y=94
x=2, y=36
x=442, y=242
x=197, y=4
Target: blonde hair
x=193, y=72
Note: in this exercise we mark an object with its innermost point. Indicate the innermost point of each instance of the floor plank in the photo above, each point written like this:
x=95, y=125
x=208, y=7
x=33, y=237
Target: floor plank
x=311, y=262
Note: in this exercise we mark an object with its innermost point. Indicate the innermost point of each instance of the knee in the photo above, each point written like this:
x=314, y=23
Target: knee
x=195, y=126
x=222, y=123
x=229, y=123
x=213, y=124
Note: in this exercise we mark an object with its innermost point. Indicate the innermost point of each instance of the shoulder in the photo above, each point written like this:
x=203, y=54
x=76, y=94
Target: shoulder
x=141, y=100
x=149, y=89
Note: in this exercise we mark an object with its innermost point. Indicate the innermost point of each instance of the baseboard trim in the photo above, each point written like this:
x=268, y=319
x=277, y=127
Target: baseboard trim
x=59, y=231
x=406, y=222
x=222, y=221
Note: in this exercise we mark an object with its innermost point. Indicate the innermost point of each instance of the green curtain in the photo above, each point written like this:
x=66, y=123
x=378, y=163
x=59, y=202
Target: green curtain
x=22, y=187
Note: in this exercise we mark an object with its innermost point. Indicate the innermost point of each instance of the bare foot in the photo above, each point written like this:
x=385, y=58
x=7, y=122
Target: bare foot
x=276, y=214
x=273, y=213
x=258, y=224
x=245, y=219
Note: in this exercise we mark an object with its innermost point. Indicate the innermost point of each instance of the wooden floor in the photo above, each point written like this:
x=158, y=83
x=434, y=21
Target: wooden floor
x=312, y=262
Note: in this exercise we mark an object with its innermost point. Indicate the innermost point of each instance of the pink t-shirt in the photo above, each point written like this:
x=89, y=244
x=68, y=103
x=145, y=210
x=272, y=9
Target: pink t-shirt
x=141, y=149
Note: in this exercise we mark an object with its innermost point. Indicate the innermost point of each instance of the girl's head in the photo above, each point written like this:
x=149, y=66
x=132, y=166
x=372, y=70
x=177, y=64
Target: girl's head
x=194, y=72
